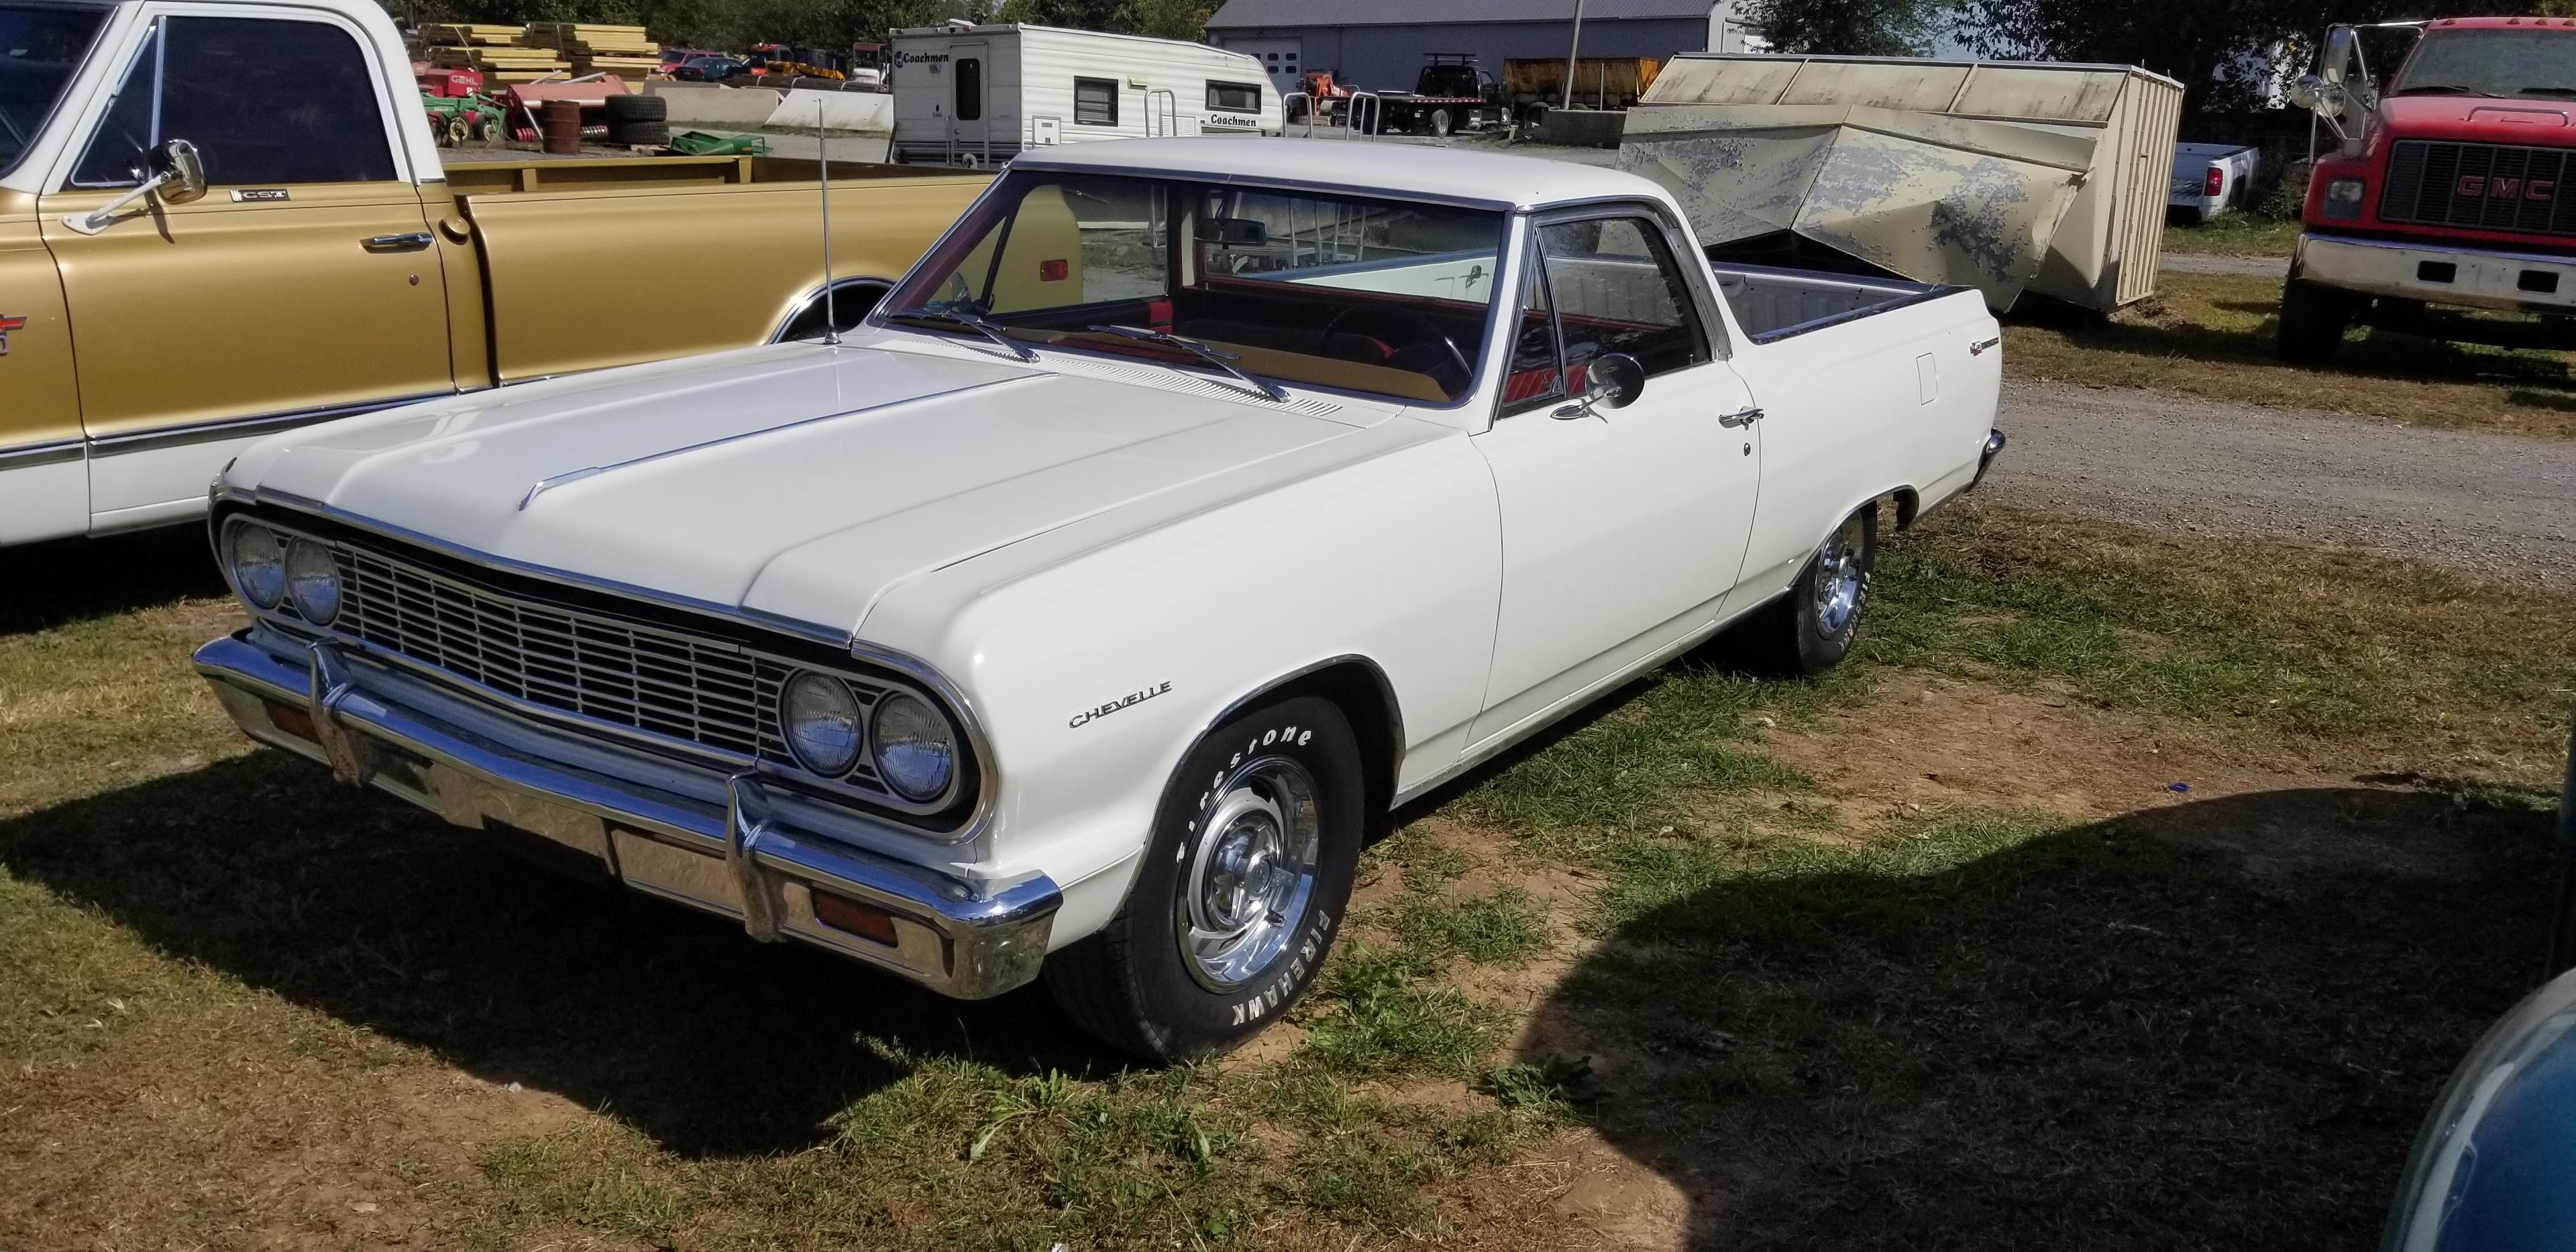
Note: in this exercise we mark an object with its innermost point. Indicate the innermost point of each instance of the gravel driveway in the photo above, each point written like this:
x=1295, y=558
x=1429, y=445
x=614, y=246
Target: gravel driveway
x=2495, y=504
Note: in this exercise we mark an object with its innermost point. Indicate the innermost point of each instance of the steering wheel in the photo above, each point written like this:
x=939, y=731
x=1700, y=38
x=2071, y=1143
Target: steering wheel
x=1406, y=328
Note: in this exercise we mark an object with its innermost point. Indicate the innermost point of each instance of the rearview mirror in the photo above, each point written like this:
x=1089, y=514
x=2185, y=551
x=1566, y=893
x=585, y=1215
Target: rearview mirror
x=182, y=173
x=1239, y=232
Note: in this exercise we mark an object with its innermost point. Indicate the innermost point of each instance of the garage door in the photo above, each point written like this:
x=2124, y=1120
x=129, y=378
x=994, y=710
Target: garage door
x=1282, y=58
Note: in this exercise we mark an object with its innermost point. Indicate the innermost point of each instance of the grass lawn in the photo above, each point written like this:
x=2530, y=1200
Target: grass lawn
x=2211, y=336
x=2235, y=234
x=1928, y=954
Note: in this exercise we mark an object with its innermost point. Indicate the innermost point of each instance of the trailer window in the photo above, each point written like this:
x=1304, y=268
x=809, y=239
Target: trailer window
x=1095, y=102
x=1236, y=97
x=970, y=89
x=267, y=102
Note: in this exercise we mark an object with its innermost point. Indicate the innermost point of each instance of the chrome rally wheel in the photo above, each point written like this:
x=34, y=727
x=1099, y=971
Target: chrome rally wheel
x=1842, y=577
x=1251, y=872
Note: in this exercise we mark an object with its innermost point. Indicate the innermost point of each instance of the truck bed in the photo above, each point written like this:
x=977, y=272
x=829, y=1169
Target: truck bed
x=1773, y=304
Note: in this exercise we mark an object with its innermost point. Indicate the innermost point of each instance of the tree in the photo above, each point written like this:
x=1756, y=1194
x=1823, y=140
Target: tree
x=1846, y=27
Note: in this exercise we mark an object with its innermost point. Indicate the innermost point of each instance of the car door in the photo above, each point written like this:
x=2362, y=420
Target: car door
x=304, y=282
x=1623, y=529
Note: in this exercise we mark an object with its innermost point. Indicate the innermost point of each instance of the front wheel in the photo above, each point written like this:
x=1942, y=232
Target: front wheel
x=2313, y=319
x=1811, y=629
x=1240, y=893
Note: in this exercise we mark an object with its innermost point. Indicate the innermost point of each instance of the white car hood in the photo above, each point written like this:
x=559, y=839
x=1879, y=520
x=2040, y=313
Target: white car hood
x=798, y=480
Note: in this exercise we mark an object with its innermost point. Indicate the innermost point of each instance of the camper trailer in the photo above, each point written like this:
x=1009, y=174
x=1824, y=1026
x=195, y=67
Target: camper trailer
x=977, y=95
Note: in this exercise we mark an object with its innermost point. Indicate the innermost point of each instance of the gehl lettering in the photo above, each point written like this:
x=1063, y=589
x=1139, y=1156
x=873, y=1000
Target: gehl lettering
x=2482, y=186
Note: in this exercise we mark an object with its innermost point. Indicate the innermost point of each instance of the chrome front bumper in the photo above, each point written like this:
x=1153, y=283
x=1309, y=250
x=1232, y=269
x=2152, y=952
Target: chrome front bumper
x=2526, y=282
x=732, y=846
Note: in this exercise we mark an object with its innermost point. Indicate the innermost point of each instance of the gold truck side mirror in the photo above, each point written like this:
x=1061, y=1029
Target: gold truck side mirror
x=178, y=176
x=182, y=172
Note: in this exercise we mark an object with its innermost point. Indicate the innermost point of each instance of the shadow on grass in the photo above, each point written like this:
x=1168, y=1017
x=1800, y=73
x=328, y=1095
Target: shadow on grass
x=2214, y=1025
x=385, y=918
x=70, y=579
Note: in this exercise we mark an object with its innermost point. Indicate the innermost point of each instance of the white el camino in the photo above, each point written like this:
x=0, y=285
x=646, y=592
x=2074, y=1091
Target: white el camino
x=1193, y=503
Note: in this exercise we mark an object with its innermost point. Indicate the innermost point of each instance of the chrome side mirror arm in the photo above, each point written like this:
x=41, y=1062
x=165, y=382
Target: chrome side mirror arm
x=178, y=177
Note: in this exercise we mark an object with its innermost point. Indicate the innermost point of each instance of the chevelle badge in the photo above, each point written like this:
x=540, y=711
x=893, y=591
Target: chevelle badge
x=1088, y=716
x=7, y=324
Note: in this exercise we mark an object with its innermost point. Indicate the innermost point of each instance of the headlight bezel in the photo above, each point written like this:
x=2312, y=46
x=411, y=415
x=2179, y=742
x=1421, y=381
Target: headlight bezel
x=2343, y=198
x=951, y=742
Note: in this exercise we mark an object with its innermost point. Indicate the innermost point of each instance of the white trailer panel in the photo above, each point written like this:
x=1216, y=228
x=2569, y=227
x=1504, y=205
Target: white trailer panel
x=978, y=95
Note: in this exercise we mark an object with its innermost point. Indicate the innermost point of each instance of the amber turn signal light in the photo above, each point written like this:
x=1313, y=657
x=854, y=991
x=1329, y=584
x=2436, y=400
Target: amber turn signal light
x=867, y=921
x=292, y=720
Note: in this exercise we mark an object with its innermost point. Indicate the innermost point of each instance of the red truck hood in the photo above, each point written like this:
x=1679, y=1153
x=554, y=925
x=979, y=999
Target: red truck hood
x=2529, y=120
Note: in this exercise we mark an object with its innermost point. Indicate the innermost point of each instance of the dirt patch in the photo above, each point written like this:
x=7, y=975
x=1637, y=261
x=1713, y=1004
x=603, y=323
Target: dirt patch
x=1927, y=744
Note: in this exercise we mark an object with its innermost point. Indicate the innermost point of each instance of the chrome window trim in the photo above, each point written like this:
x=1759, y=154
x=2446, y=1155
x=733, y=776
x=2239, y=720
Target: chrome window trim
x=925, y=680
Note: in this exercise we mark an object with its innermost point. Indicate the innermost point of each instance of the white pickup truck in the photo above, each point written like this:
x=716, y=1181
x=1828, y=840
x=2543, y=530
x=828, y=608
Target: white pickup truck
x=1192, y=504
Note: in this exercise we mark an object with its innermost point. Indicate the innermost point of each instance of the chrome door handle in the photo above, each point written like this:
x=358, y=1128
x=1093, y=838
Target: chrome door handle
x=1741, y=417
x=412, y=242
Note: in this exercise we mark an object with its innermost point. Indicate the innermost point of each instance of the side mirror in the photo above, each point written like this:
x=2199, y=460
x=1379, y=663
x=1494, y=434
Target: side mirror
x=178, y=177
x=2306, y=90
x=2342, y=43
x=182, y=173
x=1614, y=381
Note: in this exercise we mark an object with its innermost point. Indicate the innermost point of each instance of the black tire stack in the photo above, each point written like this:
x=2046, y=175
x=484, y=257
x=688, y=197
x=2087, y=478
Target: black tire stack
x=638, y=121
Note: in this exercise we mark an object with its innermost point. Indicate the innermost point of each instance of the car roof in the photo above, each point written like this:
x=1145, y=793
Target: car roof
x=1407, y=171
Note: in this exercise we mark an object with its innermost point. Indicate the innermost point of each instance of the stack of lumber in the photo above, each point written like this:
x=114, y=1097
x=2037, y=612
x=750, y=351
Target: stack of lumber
x=593, y=49
x=503, y=53
x=468, y=34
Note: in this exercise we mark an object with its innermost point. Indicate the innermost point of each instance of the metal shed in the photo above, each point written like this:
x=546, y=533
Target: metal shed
x=2003, y=175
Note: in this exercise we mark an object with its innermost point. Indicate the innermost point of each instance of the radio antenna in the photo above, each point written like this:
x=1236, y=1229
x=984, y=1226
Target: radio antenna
x=823, y=165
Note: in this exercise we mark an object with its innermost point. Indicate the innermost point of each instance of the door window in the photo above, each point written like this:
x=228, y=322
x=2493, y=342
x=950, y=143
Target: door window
x=1617, y=289
x=268, y=103
x=970, y=89
x=1536, y=377
x=1095, y=102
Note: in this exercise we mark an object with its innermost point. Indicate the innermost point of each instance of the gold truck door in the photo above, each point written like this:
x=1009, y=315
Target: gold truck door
x=303, y=284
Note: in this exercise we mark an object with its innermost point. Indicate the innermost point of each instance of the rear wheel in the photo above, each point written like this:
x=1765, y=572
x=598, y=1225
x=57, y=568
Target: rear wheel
x=1440, y=123
x=1811, y=629
x=2313, y=319
x=1240, y=893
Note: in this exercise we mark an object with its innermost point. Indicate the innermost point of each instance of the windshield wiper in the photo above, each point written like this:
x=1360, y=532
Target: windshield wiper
x=1222, y=360
x=2433, y=89
x=961, y=313
x=2546, y=91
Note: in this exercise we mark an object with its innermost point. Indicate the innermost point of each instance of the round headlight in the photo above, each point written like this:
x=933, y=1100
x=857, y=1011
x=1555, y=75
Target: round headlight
x=821, y=721
x=259, y=564
x=916, y=748
x=313, y=579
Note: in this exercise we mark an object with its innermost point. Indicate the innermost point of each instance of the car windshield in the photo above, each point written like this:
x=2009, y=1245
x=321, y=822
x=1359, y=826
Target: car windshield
x=39, y=49
x=1376, y=296
x=2491, y=63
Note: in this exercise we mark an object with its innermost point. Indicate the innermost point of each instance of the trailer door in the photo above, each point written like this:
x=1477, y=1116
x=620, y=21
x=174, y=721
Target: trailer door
x=970, y=101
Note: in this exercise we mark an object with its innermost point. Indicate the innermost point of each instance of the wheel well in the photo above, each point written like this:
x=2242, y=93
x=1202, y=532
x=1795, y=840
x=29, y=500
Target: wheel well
x=1909, y=505
x=1359, y=689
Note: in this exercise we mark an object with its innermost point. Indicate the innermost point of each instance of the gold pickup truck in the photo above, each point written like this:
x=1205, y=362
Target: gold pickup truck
x=219, y=219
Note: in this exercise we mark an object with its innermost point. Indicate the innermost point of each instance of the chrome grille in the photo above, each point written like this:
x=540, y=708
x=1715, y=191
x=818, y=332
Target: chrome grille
x=701, y=691
x=2481, y=186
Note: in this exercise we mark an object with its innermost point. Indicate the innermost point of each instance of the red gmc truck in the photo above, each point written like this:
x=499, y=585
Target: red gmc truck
x=2450, y=187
